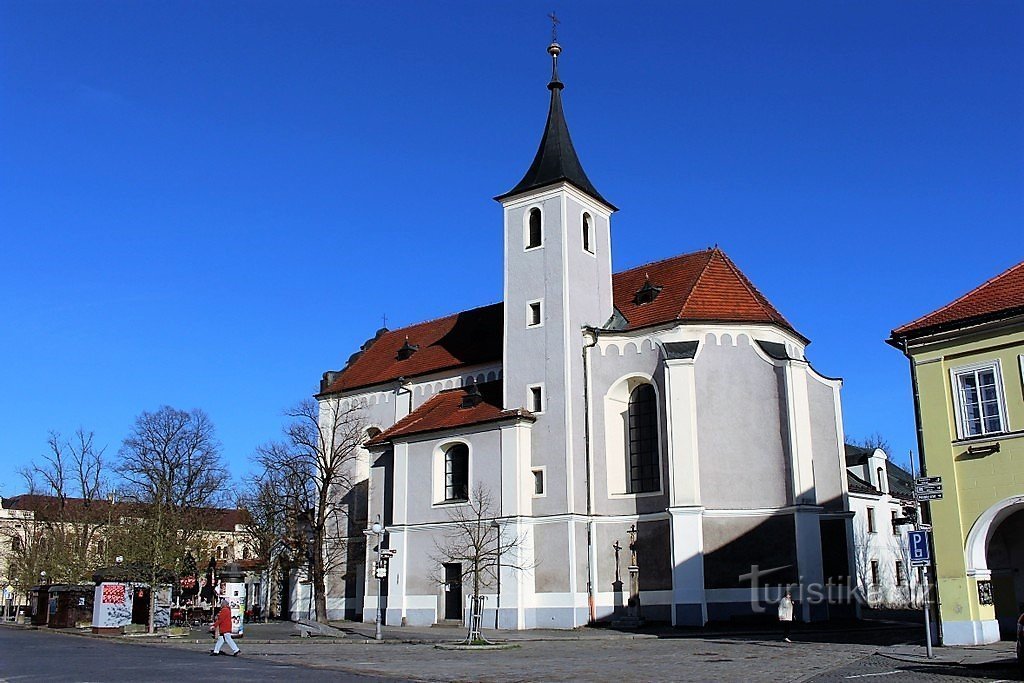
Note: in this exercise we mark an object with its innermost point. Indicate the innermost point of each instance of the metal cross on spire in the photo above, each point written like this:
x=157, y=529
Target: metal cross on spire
x=554, y=26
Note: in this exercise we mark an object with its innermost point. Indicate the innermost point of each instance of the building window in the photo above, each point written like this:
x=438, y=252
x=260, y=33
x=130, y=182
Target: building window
x=538, y=481
x=534, y=314
x=874, y=572
x=588, y=233
x=533, y=229
x=871, y=521
x=979, y=400
x=644, y=475
x=535, y=398
x=456, y=473
x=16, y=543
x=900, y=578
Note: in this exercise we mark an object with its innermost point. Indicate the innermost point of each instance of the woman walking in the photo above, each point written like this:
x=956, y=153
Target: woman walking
x=222, y=629
x=786, y=615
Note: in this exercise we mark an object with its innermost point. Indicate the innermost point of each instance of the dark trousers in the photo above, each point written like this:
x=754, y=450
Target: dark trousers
x=787, y=627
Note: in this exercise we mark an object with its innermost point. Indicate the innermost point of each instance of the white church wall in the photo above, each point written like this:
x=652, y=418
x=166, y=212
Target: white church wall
x=740, y=424
x=827, y=445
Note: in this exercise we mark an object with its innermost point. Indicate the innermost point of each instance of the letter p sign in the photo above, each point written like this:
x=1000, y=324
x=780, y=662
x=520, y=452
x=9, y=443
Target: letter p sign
x=920, y=551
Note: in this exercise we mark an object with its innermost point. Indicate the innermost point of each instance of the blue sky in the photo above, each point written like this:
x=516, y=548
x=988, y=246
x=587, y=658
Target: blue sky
x=209, y=204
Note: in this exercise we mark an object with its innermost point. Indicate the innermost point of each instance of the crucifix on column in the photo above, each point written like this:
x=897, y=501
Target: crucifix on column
x=634, y=576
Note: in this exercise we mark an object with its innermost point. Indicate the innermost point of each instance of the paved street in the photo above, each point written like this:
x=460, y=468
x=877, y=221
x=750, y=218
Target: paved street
x=878, y=669
x=27, y=656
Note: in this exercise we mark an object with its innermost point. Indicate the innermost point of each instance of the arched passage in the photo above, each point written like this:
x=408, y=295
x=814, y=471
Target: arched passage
x=995, y=552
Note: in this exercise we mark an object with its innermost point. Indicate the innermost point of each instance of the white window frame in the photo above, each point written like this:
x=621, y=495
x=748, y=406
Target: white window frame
x=591, y=234
x=526, y=228
x=959, y=404
x=543, y=398
x=529, y=313
x=543, y=470
x=438, y=486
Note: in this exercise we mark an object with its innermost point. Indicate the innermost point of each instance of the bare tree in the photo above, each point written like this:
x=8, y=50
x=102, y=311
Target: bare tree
x=174, y=477
x=66, y=486
x=314, y=469
x=872, y=441
x=269, y=499
x=475, y=540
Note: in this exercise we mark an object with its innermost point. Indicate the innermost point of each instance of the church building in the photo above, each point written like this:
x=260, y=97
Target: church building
x=660, y=424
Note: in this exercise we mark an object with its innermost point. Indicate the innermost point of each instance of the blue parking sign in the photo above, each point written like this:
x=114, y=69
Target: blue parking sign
x=920, y=551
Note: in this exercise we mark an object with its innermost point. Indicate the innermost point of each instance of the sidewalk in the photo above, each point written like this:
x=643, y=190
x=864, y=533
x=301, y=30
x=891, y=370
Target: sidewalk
x=364, y=631
x=994, y=654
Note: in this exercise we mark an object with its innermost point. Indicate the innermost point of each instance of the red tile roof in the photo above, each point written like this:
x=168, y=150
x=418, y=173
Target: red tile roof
x=703, y=286
x=1001, y=296
x=468, y=338
x=445, y=411
x=49, y=508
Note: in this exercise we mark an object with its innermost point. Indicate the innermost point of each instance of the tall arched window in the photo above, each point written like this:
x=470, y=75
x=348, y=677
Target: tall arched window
x=456, y=473
x=533, y=236
x=588, y=233
x=644, y=474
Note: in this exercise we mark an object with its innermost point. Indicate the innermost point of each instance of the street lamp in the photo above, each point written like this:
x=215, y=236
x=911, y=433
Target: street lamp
x=380, y=572
x=42, y=577
x=497, y=598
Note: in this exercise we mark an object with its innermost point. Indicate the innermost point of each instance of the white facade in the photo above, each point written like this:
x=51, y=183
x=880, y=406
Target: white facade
x=881, y=560
x=672, y=399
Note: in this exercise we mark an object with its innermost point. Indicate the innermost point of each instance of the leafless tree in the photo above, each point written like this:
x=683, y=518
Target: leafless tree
x=314, y=469
x=872, y=441
x=66, y=488
x=477, y=540
x=174, y=477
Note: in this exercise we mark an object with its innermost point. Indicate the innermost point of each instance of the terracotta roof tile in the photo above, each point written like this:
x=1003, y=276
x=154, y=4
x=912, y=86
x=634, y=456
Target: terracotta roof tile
x=445, y=411
x=468, y=338
x=1003, y=294
x=703, y=286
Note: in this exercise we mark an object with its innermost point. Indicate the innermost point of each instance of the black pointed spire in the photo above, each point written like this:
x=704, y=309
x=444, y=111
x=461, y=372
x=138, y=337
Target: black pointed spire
x=556, y=160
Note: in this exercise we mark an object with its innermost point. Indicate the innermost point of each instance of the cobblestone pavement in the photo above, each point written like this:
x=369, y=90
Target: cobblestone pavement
x=670, y=659
x=879, y=669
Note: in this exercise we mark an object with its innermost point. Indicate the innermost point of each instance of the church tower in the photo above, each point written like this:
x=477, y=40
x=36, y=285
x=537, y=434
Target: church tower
x=557, y=281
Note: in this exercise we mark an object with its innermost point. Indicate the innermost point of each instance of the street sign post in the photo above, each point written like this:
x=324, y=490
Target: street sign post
x=920, y=551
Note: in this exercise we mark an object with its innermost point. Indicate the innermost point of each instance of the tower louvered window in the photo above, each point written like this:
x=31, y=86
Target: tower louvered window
x=533, y=238
x=644, y=474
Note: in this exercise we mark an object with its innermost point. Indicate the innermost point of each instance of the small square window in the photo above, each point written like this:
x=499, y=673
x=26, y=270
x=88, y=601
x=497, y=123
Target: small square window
x=538, y=482
x=533, y=314
x=536, y=399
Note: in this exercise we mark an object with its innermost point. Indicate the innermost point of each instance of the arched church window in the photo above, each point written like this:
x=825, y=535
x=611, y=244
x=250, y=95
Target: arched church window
x=533, y=236
x=588, y=233
x=456, y=473
x=644, y=471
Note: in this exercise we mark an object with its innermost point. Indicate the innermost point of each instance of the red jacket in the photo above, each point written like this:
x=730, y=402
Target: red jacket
x=224, y=620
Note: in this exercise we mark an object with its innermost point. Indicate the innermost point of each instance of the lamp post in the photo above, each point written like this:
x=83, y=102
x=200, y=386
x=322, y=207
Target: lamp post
x=380, y=572
x=496, y=525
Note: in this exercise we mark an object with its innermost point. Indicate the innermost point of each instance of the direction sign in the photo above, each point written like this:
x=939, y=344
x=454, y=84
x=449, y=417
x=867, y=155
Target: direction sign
x=929, y=488
x=920, y=551
x=928, y=480
x=929, y=496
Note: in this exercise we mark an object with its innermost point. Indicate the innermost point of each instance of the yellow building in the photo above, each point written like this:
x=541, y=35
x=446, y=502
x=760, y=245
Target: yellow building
x=967, y=362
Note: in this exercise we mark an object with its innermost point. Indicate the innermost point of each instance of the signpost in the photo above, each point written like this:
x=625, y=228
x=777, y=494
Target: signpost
x=919, y=544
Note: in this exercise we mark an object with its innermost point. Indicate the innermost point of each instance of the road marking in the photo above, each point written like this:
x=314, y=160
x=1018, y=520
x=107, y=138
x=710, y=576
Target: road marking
x=882, y=673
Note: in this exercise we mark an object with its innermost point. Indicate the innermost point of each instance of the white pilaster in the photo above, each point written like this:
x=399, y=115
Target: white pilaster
x=799, y=419
x=683, y=471
x=688, y=560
